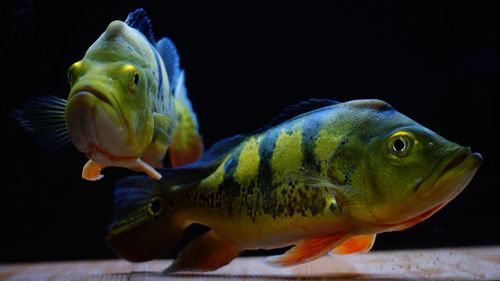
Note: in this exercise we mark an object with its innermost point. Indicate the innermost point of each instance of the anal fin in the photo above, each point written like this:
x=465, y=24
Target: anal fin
x=92, y=171
x=206, y=253
x=307, y=250
x=355, y=245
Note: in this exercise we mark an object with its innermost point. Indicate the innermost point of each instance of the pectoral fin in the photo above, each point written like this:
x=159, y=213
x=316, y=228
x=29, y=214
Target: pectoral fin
x=206, y=253
x=355, y=245
x=307, y=250
x=92, y=171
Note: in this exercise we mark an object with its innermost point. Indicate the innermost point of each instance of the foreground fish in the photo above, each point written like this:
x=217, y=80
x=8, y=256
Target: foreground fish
x=327, y=180
x=127, y=104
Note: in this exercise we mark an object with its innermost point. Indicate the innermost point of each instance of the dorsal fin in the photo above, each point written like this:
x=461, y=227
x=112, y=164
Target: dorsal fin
x=202, y=168
x=298, y=109
x=140, y=21
x=170, y=57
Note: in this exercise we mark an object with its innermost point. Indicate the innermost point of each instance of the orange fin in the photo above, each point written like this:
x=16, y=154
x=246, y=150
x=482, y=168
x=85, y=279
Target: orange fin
x=307, y=250
x=185, y=150
x=206, y=253
x=355, y=245
x=92, y=171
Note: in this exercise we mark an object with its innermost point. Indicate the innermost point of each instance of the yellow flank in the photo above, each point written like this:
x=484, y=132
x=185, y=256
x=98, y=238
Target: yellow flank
x=287, y=153
x=215, y=179
x=248, y=162
x=326, y=139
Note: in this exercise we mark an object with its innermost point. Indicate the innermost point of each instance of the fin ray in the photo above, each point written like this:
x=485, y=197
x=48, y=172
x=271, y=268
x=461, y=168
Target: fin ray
x=355, y=245
x=206, y=253
x=44, y=119
x=170, y=57
x=307, y=250
x=298, y=109
x=139, y=20
x=202, y=168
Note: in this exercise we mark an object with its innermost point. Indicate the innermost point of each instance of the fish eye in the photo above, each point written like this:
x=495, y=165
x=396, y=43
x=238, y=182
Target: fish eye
x=69, y=75
x=72, y=70
x=400, y=145
x=155, y=207
x=136, y=79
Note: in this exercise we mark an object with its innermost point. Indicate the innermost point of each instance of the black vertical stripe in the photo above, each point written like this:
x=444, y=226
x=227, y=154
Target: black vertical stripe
x=310, y=130
x=266, y=150
x=231, y=189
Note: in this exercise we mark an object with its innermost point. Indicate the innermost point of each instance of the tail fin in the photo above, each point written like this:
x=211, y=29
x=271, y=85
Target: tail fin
x=143, y=226
x=187, y=145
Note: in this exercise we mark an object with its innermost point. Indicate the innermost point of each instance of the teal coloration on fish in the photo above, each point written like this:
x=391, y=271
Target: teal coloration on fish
x=326, y=180
x=127, y=103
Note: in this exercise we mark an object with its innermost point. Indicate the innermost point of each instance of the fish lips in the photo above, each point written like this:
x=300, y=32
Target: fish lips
x=446, y=181
x=94, y=120
x=450, y=177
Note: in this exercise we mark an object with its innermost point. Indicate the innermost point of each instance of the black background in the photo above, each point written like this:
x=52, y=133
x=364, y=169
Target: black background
x=438, y=63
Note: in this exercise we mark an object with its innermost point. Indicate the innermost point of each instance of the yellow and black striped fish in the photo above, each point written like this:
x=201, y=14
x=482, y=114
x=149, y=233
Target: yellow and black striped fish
x=127, y=104
x=327, y=181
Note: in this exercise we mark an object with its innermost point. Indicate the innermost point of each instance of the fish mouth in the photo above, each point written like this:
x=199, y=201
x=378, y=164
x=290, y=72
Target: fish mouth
x=446, y=180
x=85, y=90
x=96, y=124
x=452, y=174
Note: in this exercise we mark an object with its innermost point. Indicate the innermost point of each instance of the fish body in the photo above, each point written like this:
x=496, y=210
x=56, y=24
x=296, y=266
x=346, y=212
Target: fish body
x=327, y=180
x=122, y=109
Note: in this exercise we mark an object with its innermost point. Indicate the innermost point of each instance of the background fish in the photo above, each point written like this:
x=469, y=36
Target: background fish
x=327, y=181
x=126, y=105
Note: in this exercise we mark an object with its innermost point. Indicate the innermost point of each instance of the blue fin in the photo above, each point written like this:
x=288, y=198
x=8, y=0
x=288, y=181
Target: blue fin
x=43, y=118
x=298, y=109
x=140, y=21
x=202, y=168
x=170, y=57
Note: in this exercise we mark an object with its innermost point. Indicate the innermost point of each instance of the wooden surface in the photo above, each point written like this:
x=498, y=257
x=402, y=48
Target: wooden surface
x=441, y=264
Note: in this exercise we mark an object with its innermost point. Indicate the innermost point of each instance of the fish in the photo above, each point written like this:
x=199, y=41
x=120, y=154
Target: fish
x=324, y=177
x=127, y=104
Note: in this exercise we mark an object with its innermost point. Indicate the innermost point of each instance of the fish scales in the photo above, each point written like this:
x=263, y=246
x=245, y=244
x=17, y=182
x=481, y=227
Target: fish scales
x=326, y=181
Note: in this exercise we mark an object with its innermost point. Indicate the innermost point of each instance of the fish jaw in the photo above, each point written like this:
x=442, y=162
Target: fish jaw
x=96, y=126
x=449, y=179
x=453, y=177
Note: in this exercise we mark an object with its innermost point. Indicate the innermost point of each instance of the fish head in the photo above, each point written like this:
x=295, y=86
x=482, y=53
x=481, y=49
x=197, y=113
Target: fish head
x=109, y=114
x=404, y=172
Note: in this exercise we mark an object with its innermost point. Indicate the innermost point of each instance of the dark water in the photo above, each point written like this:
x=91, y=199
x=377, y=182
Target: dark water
x=437, y=63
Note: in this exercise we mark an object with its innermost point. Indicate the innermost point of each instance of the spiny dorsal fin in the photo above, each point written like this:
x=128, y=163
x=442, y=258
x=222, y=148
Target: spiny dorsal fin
x=202, y=168
x=298, y=109
x=140, y=21
x=170, y=57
